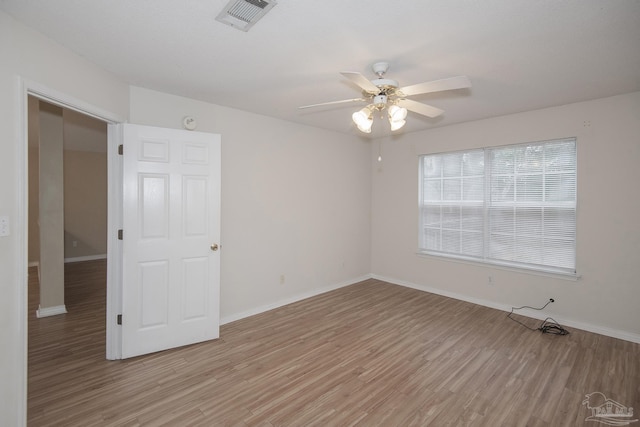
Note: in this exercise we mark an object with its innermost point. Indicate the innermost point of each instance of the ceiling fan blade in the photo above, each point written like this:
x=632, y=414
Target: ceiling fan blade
x=416, y=107
x=459, y=82
x=344, y=101
x=361, y=81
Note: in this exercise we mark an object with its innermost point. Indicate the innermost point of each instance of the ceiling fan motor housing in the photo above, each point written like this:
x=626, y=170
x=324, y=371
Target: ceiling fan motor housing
x=385, y=84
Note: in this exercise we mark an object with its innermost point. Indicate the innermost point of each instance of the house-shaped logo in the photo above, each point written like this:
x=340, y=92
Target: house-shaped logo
x=607, y=411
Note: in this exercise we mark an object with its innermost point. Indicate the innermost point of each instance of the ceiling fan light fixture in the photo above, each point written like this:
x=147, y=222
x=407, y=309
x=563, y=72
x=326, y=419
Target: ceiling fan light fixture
x=366, y=128
x=397, y=114
x=363, y=119
x=395, y=125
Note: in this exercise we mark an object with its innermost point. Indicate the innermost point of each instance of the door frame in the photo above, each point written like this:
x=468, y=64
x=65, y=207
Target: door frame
x=24, y=88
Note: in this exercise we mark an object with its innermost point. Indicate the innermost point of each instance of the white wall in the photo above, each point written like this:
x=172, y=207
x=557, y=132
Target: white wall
x=606, y=298
x=295, y=202
x=85, y=204
x=27, y=55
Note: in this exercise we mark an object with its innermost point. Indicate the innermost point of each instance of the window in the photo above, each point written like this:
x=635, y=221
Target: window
x=513, y=205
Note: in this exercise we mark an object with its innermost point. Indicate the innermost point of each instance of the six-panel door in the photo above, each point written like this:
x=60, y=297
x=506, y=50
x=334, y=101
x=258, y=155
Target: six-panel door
x=171, y=219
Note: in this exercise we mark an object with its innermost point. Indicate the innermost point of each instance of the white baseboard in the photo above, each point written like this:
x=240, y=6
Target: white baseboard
x=290, y=300
x=51, y=311
x=85, y=258
x=597, y=329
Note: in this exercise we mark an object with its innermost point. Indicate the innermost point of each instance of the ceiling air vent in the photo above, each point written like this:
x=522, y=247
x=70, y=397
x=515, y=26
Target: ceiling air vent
x=242, y=14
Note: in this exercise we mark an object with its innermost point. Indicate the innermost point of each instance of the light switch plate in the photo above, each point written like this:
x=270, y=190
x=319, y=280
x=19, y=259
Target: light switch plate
x=4, y=226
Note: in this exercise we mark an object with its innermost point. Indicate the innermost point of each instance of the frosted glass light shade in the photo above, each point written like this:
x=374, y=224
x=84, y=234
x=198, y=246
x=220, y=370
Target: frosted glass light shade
x=363, y=120
x=397, y=124
x=397, y=114
x=366, y=126
x=397, y=117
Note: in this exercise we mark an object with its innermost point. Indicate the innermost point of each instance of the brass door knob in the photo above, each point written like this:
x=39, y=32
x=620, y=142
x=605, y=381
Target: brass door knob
x=214, y=247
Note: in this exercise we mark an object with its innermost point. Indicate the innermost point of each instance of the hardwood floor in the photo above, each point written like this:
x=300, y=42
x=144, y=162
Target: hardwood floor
x=368, y=354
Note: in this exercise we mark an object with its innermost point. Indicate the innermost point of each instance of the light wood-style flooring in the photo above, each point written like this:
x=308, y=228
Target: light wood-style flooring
x=370, y=354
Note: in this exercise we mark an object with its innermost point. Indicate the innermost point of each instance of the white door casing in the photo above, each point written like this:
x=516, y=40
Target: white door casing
x=171, y=222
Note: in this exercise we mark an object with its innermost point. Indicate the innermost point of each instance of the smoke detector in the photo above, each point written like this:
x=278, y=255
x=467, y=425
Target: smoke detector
x=243, y=14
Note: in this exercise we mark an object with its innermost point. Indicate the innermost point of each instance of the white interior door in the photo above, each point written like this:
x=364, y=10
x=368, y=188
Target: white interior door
x=171, y=236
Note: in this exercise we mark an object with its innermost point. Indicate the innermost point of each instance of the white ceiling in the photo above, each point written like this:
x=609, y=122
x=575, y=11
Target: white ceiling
x=519, y=54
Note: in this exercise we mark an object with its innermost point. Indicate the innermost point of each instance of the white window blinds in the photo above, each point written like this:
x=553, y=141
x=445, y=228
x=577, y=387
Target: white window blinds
x=512, y=205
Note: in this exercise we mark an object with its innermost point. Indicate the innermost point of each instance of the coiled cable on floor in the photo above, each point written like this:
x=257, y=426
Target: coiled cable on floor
x=548, y=326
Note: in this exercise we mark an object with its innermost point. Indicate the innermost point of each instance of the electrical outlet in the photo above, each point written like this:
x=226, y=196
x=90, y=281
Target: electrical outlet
x=490, y=281
x=552, y=300
x=4, y=226
x=282, y=279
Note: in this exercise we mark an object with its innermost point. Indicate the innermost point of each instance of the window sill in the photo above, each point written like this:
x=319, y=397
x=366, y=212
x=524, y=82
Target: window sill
x=461, y=260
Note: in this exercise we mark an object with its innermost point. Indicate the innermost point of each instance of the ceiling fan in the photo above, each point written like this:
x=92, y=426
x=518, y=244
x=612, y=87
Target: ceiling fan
x=382, y=93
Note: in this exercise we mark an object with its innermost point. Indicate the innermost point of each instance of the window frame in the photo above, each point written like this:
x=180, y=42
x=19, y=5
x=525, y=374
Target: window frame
x=485, y=258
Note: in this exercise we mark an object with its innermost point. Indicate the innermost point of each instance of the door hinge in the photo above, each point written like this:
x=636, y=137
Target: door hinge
x=119, y=319
x=120, y=234
x=121, y=149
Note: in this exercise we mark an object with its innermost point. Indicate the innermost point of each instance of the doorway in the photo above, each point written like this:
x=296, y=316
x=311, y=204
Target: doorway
x=70, y=186
x=68, y=212
x=29, y=88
